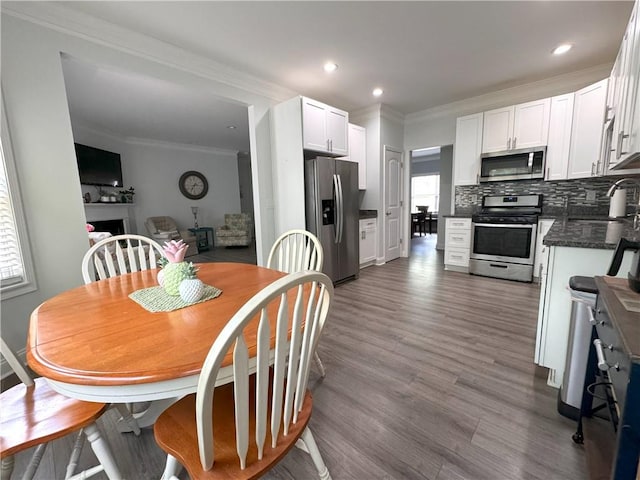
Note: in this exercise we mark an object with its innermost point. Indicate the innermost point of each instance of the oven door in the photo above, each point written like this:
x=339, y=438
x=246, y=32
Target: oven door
x=512, y=243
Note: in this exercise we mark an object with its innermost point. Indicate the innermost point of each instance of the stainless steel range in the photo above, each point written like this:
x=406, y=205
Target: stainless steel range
x=503, y=237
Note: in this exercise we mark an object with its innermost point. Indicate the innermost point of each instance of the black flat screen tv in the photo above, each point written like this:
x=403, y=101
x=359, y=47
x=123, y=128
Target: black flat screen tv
x=98, y=167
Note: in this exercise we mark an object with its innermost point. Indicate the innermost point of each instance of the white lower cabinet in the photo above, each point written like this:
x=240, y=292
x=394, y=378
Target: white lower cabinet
x=554, y=311
x=457, y=244
x=542, y=251
x=368, y=232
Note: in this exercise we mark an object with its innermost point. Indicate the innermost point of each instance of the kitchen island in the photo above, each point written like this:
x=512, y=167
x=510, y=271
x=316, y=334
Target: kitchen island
x=576, y=246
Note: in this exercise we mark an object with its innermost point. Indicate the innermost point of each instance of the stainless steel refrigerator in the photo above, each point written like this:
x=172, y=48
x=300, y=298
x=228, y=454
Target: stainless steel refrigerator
x=332, y=211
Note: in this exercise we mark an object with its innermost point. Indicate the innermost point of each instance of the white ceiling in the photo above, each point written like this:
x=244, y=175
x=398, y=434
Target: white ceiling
x=132, y=106
x=422, y=53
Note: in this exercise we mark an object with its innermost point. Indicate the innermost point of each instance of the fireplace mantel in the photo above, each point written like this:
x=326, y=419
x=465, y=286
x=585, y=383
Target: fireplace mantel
x=108, y=211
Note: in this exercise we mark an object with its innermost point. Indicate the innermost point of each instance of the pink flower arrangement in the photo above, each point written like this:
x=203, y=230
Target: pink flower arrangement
x=90, y=228
x=175, y=251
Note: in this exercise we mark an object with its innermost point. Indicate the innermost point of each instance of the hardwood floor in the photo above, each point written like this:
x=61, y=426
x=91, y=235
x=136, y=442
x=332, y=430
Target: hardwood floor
x=227, y=254
x=430, y=375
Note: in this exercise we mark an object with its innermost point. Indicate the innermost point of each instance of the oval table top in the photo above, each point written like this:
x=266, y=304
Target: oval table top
x=96, y=336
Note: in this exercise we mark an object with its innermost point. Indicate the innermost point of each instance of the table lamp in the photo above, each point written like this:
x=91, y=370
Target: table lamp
x=194, y=210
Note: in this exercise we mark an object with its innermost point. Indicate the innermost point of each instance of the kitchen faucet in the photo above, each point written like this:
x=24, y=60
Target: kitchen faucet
x=636, y=184
x=617, y=184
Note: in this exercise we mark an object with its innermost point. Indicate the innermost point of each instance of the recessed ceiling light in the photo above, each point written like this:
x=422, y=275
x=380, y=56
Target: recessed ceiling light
x=330, y=67
x=377, y=92
x=563, y=48
x=231, y=127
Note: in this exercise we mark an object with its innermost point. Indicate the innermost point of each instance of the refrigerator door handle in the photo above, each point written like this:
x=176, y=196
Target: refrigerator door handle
x=336, y=208
x=341, y=205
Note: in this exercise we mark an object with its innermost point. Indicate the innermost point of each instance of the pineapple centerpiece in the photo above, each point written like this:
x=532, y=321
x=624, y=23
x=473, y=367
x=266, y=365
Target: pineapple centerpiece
x=179, y=277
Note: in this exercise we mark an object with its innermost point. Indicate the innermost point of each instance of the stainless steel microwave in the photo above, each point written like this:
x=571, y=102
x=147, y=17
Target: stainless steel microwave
x=525, y=163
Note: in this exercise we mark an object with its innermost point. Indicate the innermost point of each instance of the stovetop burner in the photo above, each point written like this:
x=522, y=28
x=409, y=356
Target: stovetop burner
x=509, y=209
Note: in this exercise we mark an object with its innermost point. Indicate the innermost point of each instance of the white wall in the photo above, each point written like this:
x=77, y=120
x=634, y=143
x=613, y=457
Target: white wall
x=38, y=118
x=446, y=185
x=154, y=171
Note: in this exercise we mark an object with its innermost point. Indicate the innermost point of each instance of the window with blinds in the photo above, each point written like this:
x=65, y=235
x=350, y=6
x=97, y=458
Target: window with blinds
x=16, y=270
x=11, y=264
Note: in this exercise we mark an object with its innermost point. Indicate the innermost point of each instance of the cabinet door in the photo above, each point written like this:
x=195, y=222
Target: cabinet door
x=496, y=134
x=314, y=128
x=337, y=123
x=627, y=128
x=531, y=124
x=466, y=152
x=542, y=251
x=560, y=122
x=358, y=152
x=367, y=241
x=586, y=133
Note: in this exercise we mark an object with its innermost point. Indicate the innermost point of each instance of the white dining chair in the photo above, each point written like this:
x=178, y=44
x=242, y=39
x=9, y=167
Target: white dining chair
x=120, y=254
x=115, y=256
x=33, y=415
x=243, y=428
x=296, y=251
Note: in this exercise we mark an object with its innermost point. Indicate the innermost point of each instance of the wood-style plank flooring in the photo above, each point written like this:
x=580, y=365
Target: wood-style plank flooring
x=430, y=375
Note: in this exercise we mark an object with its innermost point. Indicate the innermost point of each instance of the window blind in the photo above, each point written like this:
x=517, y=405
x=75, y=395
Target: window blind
x=11, y=262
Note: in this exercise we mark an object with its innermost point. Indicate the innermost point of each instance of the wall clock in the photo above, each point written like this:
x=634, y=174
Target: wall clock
x=193, y=185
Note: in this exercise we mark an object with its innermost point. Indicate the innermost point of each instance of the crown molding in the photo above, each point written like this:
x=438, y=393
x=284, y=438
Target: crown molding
x=148, y=142
x=370, y=112
x=543, y=88
x=390, y=114
x=80, y=25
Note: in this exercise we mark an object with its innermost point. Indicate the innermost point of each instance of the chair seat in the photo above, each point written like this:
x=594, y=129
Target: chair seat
x=33, y=415
x=227, y=232
x=176, y=433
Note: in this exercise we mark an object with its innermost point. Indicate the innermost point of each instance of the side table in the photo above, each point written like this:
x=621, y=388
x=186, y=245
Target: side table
x=204, y=236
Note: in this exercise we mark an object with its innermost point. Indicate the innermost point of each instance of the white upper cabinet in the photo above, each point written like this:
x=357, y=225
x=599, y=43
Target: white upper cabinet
x=625, y=139
x=498, y=129
x=586, y=132
x=358, y=152
x=560, y=122
x=519, y=126
x=466, y=152
x=324, y=128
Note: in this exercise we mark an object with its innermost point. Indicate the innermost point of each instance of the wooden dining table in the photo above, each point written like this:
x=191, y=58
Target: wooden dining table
x=95, y=343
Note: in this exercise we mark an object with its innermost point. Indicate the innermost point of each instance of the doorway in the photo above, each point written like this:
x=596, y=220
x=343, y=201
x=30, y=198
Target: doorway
x=392, y=203
x=430, y=196
x=162, y=129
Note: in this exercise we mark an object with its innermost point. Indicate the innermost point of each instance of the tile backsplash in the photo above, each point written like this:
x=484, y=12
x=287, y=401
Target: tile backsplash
x=576, y=194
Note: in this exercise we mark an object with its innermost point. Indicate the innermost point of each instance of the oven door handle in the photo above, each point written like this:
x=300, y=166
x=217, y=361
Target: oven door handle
x=505, y=225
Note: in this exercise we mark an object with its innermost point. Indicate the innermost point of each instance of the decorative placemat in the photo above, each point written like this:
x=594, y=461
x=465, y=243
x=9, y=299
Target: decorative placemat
x=155, y=299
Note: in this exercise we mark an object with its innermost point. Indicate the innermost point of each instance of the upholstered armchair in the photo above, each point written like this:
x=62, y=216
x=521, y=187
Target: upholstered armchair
x=164, y=229
x=236, y=230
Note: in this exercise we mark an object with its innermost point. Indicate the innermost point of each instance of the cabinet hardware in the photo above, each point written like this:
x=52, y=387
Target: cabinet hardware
x=602, y=361
x=509, y=144
x=592, y=168
x=621, y=137
x=547, y=177
x=514, y=142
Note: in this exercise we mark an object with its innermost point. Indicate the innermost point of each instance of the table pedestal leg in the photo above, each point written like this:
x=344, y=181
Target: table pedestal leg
x=147, y=417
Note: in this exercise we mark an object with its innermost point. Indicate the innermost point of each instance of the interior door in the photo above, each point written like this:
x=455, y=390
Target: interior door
x=392, y=202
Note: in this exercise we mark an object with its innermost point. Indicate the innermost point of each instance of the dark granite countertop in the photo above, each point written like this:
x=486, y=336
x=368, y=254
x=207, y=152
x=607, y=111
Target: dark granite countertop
x=458, y=215
x=590, y=232
x=364, y=214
